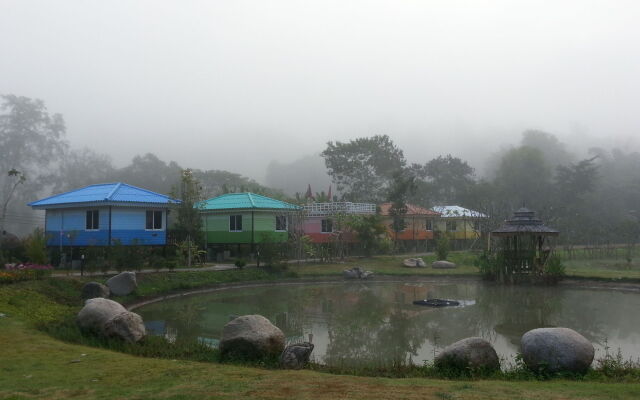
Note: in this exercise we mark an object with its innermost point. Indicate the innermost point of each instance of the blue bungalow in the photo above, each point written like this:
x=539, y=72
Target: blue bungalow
x=104, y=214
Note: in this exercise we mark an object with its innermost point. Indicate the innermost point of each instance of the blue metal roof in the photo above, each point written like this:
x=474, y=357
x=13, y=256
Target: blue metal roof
x=235, y=201
x=105, y=193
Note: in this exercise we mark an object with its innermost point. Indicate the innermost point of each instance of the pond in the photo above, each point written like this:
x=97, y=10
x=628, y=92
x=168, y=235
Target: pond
x=376, y=324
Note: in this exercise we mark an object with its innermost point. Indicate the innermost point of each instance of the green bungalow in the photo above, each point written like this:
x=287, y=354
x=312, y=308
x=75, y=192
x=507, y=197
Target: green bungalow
x=235, y=222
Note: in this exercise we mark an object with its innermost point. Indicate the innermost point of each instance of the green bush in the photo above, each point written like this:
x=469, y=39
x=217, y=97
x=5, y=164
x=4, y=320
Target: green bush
x=240, y=263
x=489, y=265
x=554, y=270
x=35, y=247
x=442, y=247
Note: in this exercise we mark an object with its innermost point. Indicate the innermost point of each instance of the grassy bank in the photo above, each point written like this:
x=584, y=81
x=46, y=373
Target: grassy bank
x=35, y=366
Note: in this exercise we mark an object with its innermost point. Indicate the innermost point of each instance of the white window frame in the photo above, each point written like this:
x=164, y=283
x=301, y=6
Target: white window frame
x=153, y=220
x=455, y=226
x=322, y=225
x=236, y=223
x=286, y=223
x=428, y=225
x=92, y=229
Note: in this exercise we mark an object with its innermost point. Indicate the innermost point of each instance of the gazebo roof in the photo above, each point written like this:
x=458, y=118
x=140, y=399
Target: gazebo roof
x=524, y=221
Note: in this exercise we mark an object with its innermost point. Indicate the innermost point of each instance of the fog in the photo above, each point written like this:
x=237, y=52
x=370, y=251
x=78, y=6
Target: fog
x=234, y=85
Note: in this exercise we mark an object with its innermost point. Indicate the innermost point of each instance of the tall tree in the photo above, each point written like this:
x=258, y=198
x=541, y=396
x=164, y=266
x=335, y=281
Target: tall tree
x=188, y=224
x=363, y=168
x=524, y=177
x=402, y=187
x=31, y=142
x=83, y=167
x=449, y=179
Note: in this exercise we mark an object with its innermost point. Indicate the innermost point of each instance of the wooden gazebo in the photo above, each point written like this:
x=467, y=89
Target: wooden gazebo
x=524, y=244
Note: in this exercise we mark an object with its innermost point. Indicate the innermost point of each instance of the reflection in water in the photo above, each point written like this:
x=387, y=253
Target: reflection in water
x=376, y=324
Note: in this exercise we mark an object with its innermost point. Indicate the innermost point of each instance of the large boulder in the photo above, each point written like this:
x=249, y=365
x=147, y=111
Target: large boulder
x=127, y=326
x=556, y=350
x=251, y=336
x=295, y=356
x=470, y=353
x=123, y=284
x=96, y=312
x=442, y=264
x=91, y=290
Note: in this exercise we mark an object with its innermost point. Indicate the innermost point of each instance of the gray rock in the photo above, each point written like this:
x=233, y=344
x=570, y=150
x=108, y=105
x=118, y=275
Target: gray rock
x=251, y=336
x=414, y=263
x=442, y=264
x=356, y=273
x=469, y=353
x=556, y=350
x=127, y=326
x=96, y=312
x=91, y=290
x=350, y=274
x=295, y=356
x=123, y=284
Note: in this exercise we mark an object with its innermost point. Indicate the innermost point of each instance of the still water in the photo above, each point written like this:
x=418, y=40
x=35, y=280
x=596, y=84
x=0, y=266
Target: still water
x=375, y=323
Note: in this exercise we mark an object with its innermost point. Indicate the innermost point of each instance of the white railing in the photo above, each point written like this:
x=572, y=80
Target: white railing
x=339, y=208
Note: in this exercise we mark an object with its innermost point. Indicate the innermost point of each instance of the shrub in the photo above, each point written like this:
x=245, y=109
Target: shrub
x=35, y=247
x=489, y=265
x=442, y=247
x=240, y=263
x=554, y=270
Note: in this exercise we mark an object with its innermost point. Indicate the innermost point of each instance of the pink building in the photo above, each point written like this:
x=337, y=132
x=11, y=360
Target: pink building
x=320, y=219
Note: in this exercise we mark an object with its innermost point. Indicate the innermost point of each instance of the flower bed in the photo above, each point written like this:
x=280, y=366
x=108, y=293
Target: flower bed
x=24, y=272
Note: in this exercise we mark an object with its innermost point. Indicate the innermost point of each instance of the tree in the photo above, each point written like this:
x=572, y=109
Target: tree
x=152, y=173
x=524, y=177
x=402, y=186
x=363, y=168
x=18, y=179
x=31, y=143
x=188, y=225
x=83, y=167
x=448, y=179
x=369, y=229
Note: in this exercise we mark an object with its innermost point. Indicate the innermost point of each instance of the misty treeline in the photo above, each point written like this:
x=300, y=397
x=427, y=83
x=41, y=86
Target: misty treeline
x=592, y=198
x=38, y=161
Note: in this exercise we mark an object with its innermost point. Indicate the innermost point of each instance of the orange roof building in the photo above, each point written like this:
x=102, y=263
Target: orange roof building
x=418, y=222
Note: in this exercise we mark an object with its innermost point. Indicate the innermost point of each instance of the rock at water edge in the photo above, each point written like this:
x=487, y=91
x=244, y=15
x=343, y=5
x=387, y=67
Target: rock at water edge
x=469, y=353
x=127, y=326
x=123, y=284
x=91, y=290
x=556, y=350
x=251, y=336
x=96, y=312
x=296, y=356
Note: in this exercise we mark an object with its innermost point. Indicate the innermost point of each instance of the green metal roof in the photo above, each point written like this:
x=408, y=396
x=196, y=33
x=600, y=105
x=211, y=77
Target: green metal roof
x=237, y=201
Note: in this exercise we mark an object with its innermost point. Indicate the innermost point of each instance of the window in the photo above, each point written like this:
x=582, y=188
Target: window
x=281, y=222
x=235, y=223
x=429, y=225
x=451, y=226
x=93, y=220
x=327, y=226
x=154, y=220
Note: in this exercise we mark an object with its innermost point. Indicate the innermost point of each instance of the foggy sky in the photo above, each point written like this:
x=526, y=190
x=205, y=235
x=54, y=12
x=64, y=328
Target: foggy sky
x=234, y=84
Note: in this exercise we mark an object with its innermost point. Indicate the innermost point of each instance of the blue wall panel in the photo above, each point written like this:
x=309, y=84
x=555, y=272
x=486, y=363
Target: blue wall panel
x=128, y=225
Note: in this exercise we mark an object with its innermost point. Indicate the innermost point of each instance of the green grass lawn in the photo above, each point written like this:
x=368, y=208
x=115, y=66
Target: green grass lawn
x=36, y=366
